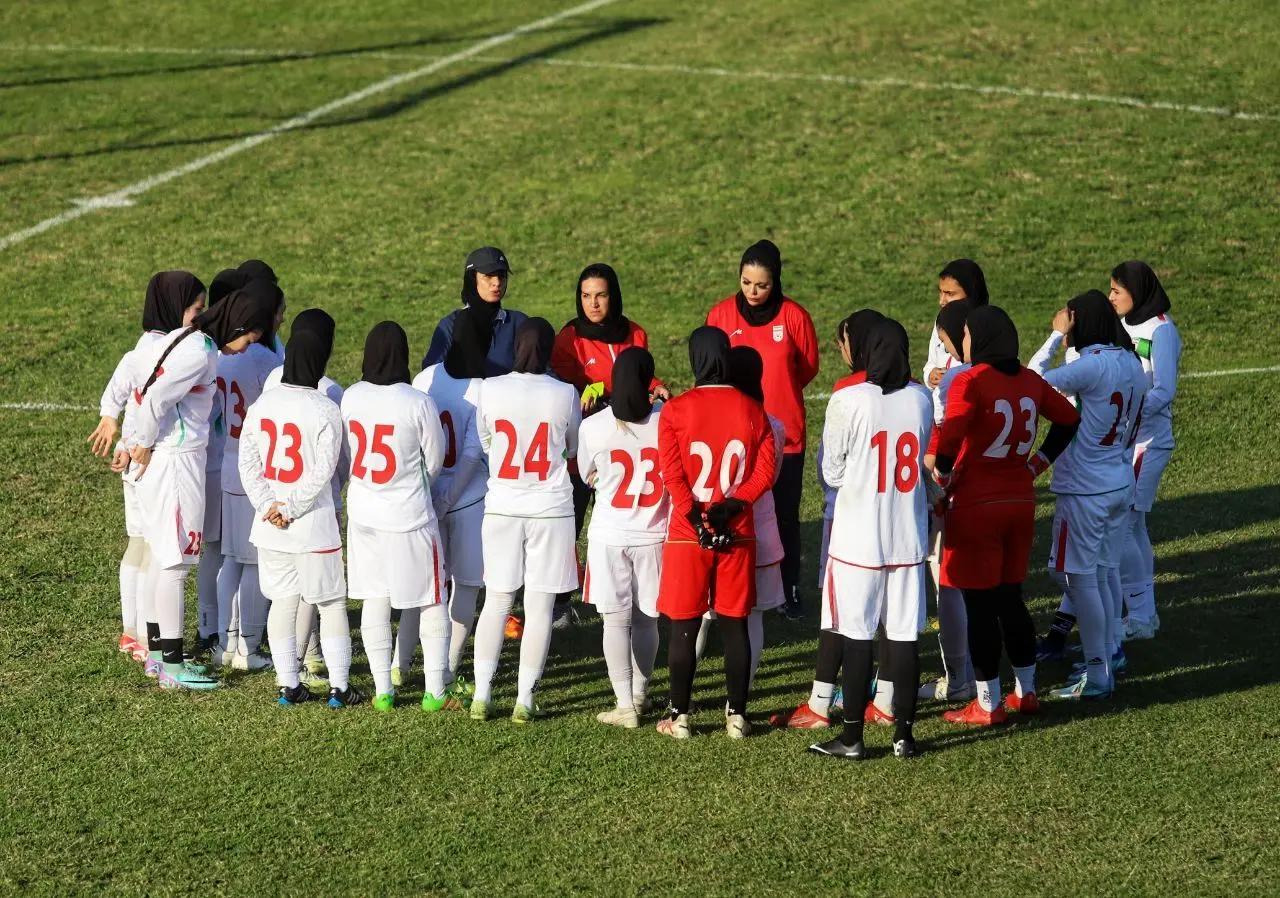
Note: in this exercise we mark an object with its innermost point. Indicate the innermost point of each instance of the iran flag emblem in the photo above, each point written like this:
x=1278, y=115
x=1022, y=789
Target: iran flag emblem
x=778, y=331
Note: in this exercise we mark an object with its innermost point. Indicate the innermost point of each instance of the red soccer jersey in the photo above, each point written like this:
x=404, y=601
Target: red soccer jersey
x=579, y=361
x=990, y=430
x=714, y=442
x=789, y=347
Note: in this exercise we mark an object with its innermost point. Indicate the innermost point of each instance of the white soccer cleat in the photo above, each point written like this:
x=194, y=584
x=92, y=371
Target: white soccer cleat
x=627, y=718
x=676, y=727
x=941, y=690
x=1135, y=629
x=254, y=661
x=737, y=726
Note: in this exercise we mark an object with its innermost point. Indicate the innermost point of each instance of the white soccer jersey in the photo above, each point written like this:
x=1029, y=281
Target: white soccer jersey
x=938, y=355
x=1108, y=394
x=528, y=425
x=631, y=501
x=290, y=443
x=240, y=381
x=953, y=370
x=126, y=380
x=1160, y=349
x=175, y=412
x=872, y=450
x=333, y=390
x=397, y=449
x=464, y=475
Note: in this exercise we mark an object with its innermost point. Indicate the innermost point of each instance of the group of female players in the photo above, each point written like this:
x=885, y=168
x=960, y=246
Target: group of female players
x=476, y=474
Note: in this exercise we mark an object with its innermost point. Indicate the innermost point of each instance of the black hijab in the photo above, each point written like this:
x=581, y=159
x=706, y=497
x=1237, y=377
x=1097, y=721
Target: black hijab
x=709, y=356
x=484, y=311
x=888, y=365
x=951, y=320
x=386, y=355
x=466, y=356
x=1094, y=320
x=993, y=339
x=309, y=347
x=615, y=328
x=258, y=270
x=766, y=255
x=1149, y=298
x=746, y=371
x=225, y=281
x=169, y=294
x=857, y=328
x=534, y=339
x=251, y=308
x=633, y=371
x=968, y=274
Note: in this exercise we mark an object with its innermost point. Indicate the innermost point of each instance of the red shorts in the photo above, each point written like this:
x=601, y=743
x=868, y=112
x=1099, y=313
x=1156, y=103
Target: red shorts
x=987, y=544
x=695, y=579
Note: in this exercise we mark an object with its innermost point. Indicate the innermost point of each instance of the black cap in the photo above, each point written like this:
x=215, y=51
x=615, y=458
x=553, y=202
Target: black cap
x=487, y=260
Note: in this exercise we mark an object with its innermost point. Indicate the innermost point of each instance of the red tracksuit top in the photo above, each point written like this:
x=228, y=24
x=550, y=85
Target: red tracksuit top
x=580, y=361
x=789, y=347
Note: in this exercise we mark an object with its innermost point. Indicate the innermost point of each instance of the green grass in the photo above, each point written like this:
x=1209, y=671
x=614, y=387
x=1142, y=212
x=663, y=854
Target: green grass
x=109, y=784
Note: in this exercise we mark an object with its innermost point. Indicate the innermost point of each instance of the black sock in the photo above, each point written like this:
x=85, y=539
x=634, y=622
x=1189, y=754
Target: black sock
x=172, y=649
x=1016, y=625
x=1062, y=625
x=737, y=661
x=904, y=669
x=153, y=636
x=984, y=632
x=681, y=661
x=830, y=651
x=857, y=686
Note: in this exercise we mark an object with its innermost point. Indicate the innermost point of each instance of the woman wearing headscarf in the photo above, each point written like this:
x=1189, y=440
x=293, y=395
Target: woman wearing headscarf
x=986, y=461
x=873, y=439
x=291, y=446
x=960, y=279
x=166, y=446
x=394, y=555
x=484, y=285
x=173, y=299
x=717, y=457
x=528, y=424
x=618, y=457
x=762, y=316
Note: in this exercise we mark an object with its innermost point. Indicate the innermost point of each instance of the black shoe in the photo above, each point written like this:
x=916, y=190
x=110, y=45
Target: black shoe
x=295, y=696
x=905, y=748
x=344, y=698
x=791, y=608
x=1051, y=646
x=837, y=749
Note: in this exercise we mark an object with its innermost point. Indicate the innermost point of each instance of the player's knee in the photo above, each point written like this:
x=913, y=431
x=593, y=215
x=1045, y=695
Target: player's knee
x=135, y=552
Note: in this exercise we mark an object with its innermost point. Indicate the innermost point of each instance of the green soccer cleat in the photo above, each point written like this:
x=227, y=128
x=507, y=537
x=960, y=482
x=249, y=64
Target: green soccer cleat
x=384, y=702
x=523, y=714
x=185, y=675
x=479, y=710
x=431, y=704
x=397, y=677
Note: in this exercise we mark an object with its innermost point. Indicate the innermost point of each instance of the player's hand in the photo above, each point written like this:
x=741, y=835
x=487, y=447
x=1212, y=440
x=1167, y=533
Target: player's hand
x=103, y=437
x=722, y=515
x=1038, y=464
x=119, y=461
x=659, y=393
x=141, y=456
x=935, y=377
x=1063, y=320
x=698, y=518
x=275, y=516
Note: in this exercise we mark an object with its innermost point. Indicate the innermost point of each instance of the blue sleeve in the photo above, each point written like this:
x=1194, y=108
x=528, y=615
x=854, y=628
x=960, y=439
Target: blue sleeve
x=502, y=350
x=441, y=340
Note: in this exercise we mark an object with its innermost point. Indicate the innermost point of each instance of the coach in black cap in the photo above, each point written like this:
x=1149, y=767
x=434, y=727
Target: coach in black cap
x=484, y=283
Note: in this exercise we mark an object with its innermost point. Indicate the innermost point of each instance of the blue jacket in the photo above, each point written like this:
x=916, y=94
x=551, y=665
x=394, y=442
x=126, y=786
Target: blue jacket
x=502, y=348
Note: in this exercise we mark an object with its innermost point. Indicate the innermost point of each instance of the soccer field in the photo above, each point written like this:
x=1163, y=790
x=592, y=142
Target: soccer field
x=363, y=148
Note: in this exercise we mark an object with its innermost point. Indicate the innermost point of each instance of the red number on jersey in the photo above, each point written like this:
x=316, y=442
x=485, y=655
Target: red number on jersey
x=293, y=435
x=1000, y=447
x=450, y=440
x=1118, y=401
x=238, y=409
x=906, y=461
x=649, y=493
x=194, y=539
x=381, y=433
x=733, y=468
x=537, y=460
x=221, y=399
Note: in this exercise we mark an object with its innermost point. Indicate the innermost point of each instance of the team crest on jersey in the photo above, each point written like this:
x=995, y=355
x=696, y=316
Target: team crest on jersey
x=778, y=332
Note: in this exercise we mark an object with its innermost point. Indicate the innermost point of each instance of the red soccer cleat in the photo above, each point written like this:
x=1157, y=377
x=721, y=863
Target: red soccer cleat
x=514, y=628
x=878, y=717
x=802, y=718
x=1026, y=704
x=972, y=714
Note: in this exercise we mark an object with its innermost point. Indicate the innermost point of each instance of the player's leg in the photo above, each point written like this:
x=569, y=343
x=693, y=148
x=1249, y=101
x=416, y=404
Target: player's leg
x=335, y=643
x=608, y=587
x=856, y=683
x=704, y=632
x=755, y=643
x=815, y=712
x=307, y=639
x=253, y=621
x=1137, y=573
x=461, y=531
x=880, y=709
x=681, y=666
x=733, y=596
x=228, y=610
x=787, y=493
x=903, y=619
x=462, y=616
x=210, y=563
x=375, y=633
x=646, y=572
x=1015, y=525
x=616, y=644
x=282, y=622
x=551, y=569
x=953, y=640
x=682, y=599
x=1077, y=533
x=503, y=545
x=407, y=638
x=535, y=643
x=433, y=633
x=130, y=576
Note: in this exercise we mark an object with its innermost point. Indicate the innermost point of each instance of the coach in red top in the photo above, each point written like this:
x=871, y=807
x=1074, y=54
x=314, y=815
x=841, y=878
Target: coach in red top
x=777, y=327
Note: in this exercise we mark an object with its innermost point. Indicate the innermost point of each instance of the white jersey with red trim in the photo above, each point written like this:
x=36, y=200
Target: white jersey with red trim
x=872, y=450
x=631, y=501
x=397, y=449
x=175, y=412
x=333, y=391
x=290, y=444
x=241, y=379
x=130, y=374
x=464, y=475
x=528, y=425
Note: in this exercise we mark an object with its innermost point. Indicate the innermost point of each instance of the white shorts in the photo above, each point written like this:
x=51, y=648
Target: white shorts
x=213, y=506
x=237, y=524
x=855, y=600
x=407, y=568
x=1148, y=467
x=460, y=532
x=316, y=576
x=539, y=554
x=769, y=590
x=617, y=576
x=1088, y=531
x=133, y=516
x=171, y=498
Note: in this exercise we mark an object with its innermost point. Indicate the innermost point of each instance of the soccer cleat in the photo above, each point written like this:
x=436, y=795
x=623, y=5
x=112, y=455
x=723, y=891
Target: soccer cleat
x=876, y=716
x=802, y=718
x=206, y=645
x=431, y=704
x=523, y=714
x=185, y=676
x=1135, y=629
x=676, y=727
x=1022, y=704
x=126, y=644
x=140, y=652
x=564, y=617
x=1081, y=690
x=153, y=664
x=221, y=656
x=791, y=609
x=457, y=694
x=834, y=748
x=344, y=698
x=905, y=748
x=314, y=665
x=295, y=695
x=973, y=714
x=384, y=702
x=627, y=718
x=514, y=627
x=312, y=681
x=1118, y=666
x=1051, y=646
x=940, y=690
x=251, y=662
x=397, y=676
x=479, y=710
x=737, y=726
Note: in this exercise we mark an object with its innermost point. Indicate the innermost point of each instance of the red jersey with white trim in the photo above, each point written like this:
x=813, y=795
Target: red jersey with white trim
x=872, y=448
x=631, y=502
x=397, y=449
x=581, y=361
x=290, y=444
x=241, y=379
x=714, y=443
x=463, y=478
x=990, y=430
x=528, y=425
x=788, y=345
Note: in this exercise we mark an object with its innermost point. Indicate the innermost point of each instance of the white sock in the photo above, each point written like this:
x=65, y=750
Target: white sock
x=755, y=641
x=304, y=630
x=820, y=698
x=131, y=574
x=953, y=636
x=229, y=603
x=644, y=651
x=253, y=611
x=335, y=641
x=1024, y=680
x=617, y=655
x=433, y=633
x=1091, y=618
x=375, y=633
x=1113, y=599
x=282, y=625
x=884, y=694
x=988, y=694
x=462, y=617
x=167, y=588
x=207, y=587
x=407, y=637
x=539, y=608
x=490, y=631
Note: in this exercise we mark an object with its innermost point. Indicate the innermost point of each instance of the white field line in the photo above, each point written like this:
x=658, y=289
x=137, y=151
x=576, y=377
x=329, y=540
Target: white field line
x=699, y=71
x=810, y=397
x=124, y=194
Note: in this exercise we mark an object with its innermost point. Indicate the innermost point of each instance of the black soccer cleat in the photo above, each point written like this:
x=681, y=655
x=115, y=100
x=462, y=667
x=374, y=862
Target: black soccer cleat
x=905, y=748
x=837, y=749
x=295, y=695
x=344, y=698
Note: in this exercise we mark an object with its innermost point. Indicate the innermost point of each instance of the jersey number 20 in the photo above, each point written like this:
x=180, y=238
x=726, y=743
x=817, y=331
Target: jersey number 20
x=733, y=468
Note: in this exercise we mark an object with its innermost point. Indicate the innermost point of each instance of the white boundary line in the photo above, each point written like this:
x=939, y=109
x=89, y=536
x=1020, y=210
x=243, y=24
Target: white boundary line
x=124, y=194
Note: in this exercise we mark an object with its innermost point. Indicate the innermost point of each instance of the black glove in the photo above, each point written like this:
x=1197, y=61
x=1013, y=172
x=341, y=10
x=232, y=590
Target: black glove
x=722, y=514
x=706, y=539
